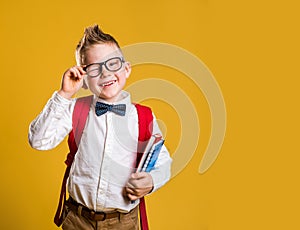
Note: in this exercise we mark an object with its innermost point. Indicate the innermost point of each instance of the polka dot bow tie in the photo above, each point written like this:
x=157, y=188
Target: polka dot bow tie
x=102, y=108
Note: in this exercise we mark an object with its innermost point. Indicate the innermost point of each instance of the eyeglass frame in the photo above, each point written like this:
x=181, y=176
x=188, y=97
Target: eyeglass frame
x=101, y=64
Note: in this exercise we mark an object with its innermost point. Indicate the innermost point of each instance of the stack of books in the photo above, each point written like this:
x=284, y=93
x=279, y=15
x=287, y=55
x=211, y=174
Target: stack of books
x=150, y=153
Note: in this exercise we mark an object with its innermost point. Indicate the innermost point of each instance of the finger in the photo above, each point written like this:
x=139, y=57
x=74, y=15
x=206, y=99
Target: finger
x=80, y=68
x=135, y=192
x=132, y=197
x=139, y=175
x=132, y=183
x=73, y=73
x=78, y=74
x=130, y=190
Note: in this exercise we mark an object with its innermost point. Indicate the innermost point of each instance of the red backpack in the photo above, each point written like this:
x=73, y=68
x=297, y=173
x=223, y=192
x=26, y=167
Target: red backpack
x=81, y=110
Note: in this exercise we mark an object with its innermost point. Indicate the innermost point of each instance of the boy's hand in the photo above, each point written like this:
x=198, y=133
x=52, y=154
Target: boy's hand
x=139, y=185
x=72, y=81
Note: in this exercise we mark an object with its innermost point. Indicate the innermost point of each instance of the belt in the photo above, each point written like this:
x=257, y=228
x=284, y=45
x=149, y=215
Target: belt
x=90, y=214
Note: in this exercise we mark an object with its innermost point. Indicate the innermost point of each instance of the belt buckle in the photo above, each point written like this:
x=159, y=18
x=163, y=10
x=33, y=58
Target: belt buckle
x=96, y=215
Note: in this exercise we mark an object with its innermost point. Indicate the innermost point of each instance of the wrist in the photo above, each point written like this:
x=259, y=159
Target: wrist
x=65, y=94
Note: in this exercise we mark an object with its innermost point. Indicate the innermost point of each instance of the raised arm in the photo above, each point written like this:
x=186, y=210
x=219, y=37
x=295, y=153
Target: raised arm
x=55, y=121
x=51, y=126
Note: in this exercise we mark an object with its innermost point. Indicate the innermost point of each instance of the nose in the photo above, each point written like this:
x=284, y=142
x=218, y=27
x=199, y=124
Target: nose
x=105, y=73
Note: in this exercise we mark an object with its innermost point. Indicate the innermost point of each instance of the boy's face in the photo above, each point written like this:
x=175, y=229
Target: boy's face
x=108, y=84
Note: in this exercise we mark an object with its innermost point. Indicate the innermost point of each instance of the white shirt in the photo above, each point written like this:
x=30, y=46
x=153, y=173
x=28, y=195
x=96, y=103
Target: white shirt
x=106, y=155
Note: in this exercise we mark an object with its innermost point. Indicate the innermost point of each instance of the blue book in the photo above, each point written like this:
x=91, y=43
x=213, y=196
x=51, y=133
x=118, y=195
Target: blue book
x=152, y=156
x=151, y=153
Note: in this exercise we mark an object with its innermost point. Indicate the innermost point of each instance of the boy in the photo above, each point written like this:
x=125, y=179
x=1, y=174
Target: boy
x=102, y=177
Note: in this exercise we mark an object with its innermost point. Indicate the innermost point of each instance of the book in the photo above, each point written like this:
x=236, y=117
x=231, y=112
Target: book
x=150, y=153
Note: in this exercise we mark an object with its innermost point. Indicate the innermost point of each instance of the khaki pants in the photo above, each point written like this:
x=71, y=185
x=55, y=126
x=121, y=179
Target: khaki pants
x=127, y=221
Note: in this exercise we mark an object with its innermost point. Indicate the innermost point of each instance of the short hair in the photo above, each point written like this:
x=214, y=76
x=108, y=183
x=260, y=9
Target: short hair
x=92, y=35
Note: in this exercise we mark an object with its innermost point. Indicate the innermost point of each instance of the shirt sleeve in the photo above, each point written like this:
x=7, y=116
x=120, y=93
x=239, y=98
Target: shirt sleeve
x=52, y=125
x=162, y=169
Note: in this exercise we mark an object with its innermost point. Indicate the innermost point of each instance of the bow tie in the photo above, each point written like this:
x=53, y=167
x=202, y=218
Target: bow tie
x=102, y=108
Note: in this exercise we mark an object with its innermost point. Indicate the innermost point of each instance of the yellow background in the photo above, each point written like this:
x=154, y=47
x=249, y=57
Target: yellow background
x=251, y=47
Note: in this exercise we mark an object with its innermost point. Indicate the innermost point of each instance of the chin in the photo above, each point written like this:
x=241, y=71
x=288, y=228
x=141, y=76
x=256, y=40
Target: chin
x=110, y=97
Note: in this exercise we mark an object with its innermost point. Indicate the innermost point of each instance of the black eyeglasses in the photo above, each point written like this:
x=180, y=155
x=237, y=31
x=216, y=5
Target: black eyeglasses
x=95, y=69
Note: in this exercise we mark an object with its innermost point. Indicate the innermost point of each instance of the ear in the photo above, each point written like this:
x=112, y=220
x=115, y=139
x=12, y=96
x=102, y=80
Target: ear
x=127, y=69
x=84, y=84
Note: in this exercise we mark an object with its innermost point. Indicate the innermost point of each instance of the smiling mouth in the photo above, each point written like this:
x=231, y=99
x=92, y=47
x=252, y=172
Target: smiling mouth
x=108, y=83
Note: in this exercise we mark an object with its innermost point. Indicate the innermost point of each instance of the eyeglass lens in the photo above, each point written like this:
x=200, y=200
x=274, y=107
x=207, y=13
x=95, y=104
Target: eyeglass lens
x=113, y=65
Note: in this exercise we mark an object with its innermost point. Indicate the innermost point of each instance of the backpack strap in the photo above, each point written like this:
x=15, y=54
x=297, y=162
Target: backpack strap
x=145, y=128
x=80, y=114
x=145, y=131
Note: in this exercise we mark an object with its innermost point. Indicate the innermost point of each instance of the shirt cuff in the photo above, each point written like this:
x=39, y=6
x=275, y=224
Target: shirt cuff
x=161, y=175
x=58, y=105
x=60, y=99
